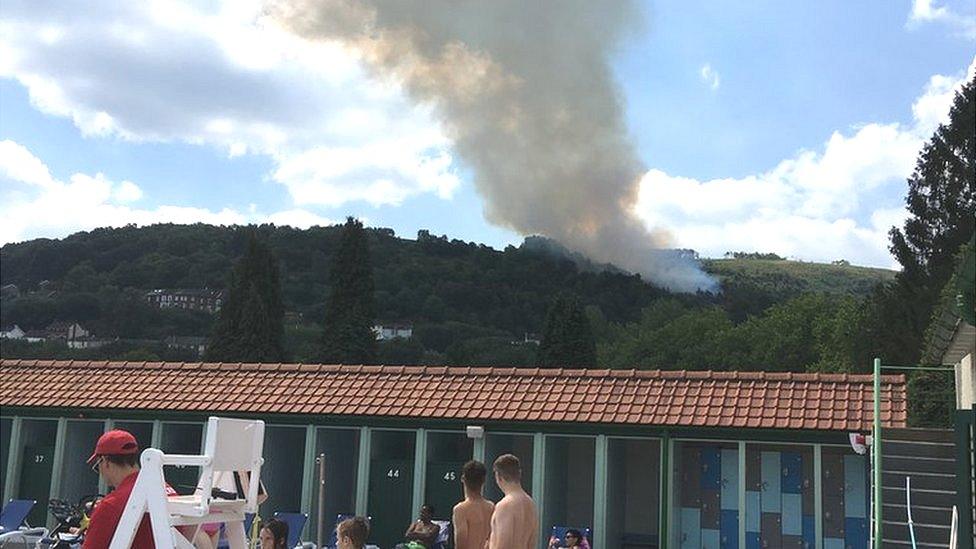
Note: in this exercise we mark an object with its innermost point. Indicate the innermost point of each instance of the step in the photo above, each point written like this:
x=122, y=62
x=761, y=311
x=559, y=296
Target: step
x=924, y=533
x=919, y=465
x=898, y=544
x=917, y=435
x=920, y=482
x=919, y=497
x=920, y=514
x=929, y=449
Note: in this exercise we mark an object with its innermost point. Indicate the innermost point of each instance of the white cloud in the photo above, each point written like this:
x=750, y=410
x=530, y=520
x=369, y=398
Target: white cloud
x=223, y=75
x=927, y=11
x=17, y=163
x=709, y=76
x=817, y=205
x=35, y=204
x=127, y=191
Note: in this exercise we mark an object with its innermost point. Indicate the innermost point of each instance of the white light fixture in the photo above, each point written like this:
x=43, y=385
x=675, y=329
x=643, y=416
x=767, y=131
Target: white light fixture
x=476, y=431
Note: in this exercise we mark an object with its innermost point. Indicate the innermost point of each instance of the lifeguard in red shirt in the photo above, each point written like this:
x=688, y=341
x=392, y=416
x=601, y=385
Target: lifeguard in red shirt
x=116, y=459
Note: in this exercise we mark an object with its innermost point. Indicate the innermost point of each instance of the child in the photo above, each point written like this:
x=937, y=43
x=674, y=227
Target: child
x=352, y=533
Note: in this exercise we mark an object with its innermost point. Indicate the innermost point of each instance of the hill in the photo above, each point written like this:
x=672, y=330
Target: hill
x=751, y=285
x=800, y=276
x=466, y=301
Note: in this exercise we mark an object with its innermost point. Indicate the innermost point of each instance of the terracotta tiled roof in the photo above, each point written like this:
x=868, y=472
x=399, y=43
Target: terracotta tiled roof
x=837, y=402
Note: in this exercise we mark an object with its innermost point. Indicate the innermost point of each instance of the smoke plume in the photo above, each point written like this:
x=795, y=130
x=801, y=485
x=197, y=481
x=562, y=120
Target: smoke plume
x=525, y=92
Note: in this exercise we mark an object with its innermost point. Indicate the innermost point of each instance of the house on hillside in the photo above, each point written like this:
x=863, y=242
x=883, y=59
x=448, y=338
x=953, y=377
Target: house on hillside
x=60, y=330
x=11, y=332
x=197, y=344
x=388, y=331
x=35, y=336
x=529, y=338
x=89, y=341
x=9, y=291
x=294, y=318
x=195, y=299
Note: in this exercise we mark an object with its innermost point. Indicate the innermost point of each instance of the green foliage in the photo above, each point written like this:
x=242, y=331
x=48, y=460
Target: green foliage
x=400, y=351
x=931, y=399
x=668, y=336
x=468, y=303
x=808, y=332
x=249, y=328
x=941, y=199
x=754, y=255
x=567, y=340
x=135, y=351
x=491, y=351
x=942, y=202
x=347, y=336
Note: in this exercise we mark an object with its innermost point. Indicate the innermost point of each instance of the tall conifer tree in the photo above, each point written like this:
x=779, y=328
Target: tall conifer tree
x=567, y=338
x=942, y=203
x=250, y=326
x=348, y=336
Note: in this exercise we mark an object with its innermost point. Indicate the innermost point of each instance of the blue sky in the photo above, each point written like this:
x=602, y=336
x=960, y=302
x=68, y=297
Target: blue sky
x=770, y=126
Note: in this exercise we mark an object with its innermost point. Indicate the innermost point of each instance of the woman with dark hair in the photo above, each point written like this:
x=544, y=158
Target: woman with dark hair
x=572, y=538
x=274, y=534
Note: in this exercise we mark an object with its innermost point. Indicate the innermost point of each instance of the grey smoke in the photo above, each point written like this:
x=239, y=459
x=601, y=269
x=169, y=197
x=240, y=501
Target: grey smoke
x=525, y=91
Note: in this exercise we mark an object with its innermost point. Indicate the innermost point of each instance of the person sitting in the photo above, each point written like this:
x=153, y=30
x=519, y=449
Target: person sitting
x=274, y=534
x=116, y=460
x=572, y=538
x=352, y=533
x=422, y=533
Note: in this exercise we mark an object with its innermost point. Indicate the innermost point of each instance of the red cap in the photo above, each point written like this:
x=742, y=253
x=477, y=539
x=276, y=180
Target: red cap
x=115, y=443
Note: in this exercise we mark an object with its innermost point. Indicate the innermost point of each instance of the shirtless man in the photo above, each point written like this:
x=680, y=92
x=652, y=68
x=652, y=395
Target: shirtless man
x=515, y=523
x=472, y=517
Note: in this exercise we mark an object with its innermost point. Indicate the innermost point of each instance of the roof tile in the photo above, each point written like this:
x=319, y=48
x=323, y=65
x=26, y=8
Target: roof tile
x=630, y=397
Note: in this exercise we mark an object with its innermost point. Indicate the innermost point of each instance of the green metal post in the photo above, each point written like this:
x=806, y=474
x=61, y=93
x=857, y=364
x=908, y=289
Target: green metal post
x=741, y=473
x=876, y=449
x=818, y=495
x=310, y=481
x=102, y=486
x=157, y=435
x=965, y=422
x=362, y=472
x=419, y=469
x=600, y=491
x=665, y=497
x=539, y=485
x=11, y=484
x=60, y=440
x=478, y=449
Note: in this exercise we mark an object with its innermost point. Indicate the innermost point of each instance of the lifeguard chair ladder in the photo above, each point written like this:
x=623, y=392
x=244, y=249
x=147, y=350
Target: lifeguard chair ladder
x=232, y=445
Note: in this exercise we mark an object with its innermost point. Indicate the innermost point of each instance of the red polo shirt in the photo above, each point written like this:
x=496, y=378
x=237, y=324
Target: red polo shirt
x=107, y=514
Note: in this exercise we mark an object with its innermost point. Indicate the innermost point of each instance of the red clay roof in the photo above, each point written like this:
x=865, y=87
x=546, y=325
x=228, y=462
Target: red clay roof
x=837, y=402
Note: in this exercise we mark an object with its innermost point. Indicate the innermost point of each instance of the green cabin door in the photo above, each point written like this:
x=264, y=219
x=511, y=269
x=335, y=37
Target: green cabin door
x=390, y=500
x=444, y=487
x=37, y=465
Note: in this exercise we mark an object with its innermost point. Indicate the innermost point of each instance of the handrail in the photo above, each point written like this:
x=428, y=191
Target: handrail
x=908, y=508
x=954, y=529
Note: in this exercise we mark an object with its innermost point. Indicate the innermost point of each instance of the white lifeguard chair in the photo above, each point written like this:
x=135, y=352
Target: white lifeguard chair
x=232, y=445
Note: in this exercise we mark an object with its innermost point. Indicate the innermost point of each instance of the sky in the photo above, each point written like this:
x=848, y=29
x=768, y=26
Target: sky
x=786, y=127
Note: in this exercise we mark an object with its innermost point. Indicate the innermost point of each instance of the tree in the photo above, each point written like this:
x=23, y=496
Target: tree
x=567, y=339
x=942, y=202
x=348, y=336
x=250, y=327
x=941, y=198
